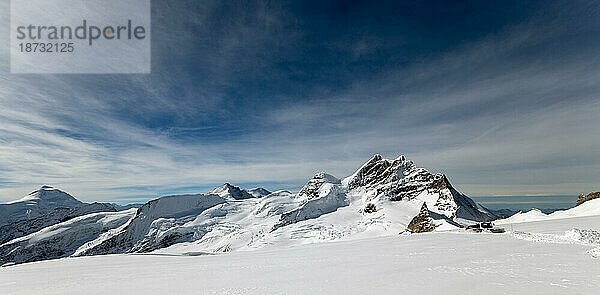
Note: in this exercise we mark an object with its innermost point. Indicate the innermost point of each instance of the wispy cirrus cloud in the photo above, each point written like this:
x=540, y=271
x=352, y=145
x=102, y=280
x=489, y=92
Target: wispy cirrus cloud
x=259, y=97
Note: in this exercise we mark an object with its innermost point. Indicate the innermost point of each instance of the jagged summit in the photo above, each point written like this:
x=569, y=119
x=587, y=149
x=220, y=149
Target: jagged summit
x=229, y=191
x=402, y=180
x=379, y=171
x=258, y=192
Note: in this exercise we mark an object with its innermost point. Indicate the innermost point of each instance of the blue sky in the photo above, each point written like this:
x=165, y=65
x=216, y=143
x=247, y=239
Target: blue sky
x=502, y=96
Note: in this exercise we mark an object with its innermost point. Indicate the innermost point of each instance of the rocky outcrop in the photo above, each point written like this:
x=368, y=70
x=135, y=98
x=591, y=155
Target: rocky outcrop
x=370, y=208
x=421, y=223
x=396, y=180
x=584, y=198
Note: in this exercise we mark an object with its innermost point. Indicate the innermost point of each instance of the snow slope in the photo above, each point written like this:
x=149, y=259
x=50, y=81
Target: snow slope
x=321, y=195
x=62, y=239
x=36, y=204
x=148, y=230
x=24, y=227
x=453, y=262
x=589, y=208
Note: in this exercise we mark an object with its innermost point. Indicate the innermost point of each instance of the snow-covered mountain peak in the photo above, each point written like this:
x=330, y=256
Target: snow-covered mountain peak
x=402, y=180
x=400, y=158
x=229, y=191
x=379, y=171
x=258, y=192
x=50, y=196
x=310, y=190
x=36, y=203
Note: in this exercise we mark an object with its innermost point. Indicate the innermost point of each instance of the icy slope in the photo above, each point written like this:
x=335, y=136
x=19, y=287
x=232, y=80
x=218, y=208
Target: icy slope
x=35, y=204
x=328, y=199
x=321, y=195
x=62, y=239
x=148, y=230
x=28, y=226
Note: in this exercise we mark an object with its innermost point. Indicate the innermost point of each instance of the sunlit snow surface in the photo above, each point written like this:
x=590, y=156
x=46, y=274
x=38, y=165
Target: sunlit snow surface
x=452, y=262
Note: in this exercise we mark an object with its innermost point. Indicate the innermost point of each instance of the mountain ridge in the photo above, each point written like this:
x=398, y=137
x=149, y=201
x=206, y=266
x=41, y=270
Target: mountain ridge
x=230, y=218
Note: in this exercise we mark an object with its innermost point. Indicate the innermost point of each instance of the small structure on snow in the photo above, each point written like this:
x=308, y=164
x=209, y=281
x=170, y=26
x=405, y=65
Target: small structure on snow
x=484, y=226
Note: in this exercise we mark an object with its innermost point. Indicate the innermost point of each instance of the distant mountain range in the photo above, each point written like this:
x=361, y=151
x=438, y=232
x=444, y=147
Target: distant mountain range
x=381, y=198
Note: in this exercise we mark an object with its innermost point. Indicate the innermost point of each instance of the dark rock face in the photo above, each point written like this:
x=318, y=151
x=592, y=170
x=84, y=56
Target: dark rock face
x=378, y=171
x=398, y=179
x=370, y=208
x=401, y=179
x=584, y=198
x=422, y=222
x=467, y=208
x=44, y=251
x=230, y=191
